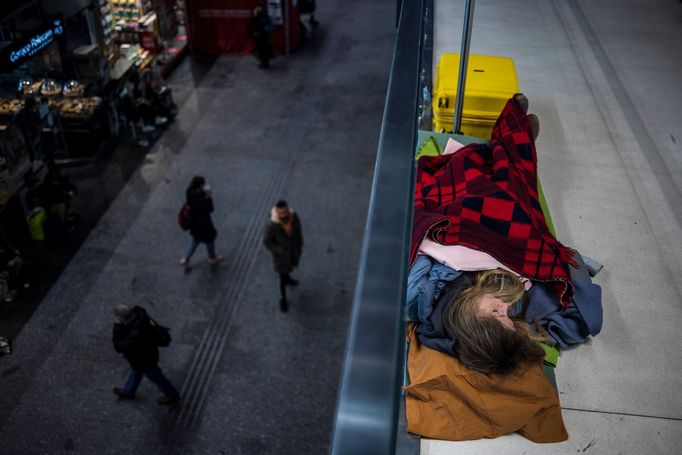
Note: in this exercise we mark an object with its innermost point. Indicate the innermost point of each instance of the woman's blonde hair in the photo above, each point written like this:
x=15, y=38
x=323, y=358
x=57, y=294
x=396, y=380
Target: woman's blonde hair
x=482, y=342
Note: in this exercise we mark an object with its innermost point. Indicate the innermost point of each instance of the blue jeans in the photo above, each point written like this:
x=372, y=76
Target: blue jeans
x=156, y=376
x=193, y=247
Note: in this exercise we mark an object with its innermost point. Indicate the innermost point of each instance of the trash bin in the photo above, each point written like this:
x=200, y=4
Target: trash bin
x=490, y=82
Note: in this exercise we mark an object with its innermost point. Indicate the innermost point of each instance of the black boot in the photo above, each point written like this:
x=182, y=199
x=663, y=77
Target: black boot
x=122, y=394
x=521, y=101
x=283, y=305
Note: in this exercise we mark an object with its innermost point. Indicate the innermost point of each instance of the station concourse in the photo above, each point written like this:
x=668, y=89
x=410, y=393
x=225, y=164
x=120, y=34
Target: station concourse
x=604, y=79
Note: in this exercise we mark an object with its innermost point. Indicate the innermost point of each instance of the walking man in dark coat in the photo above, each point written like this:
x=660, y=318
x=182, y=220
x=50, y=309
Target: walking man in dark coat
x=260, y=28
x=134, y=338
x=284, y=239
x=201, y=228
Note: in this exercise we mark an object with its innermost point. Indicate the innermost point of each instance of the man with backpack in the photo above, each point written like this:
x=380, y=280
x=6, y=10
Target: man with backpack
x=138, y=337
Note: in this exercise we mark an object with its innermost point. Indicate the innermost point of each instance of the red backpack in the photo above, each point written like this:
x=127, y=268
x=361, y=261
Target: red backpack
x=184, y=217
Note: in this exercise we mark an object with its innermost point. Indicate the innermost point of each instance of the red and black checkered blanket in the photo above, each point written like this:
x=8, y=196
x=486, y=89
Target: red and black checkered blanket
x=485, y=197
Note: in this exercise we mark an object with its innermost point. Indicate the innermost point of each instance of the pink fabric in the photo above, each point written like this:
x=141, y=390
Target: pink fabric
x=452, y=146
x=465, y=259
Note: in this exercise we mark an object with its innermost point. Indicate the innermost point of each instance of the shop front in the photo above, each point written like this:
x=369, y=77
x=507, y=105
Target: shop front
x=56, y=115
x=139, y=33
x=64, y=67
x=77, y=61
x=222, y=26
x=32, y=105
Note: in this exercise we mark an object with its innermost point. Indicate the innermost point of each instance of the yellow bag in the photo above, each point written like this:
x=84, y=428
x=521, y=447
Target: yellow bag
x=36, y=220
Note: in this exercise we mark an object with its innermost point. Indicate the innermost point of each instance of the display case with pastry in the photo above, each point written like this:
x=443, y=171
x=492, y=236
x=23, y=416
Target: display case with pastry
x=24, y=84
x=79, y=108
x=9, y=107
x=32, y=89
x=73, y=88
x=50, y=87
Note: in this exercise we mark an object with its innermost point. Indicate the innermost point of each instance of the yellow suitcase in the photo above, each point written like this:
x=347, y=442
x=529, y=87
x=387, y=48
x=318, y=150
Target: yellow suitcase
x=490, y=82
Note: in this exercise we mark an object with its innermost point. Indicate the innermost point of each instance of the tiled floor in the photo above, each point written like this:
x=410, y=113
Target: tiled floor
x=254, y=380
x=605, y=79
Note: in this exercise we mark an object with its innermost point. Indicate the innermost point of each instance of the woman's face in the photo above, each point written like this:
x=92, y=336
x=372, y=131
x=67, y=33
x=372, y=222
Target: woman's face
x=494, y=307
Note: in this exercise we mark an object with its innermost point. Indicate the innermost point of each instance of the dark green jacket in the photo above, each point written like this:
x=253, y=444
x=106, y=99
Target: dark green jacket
x=286, y=251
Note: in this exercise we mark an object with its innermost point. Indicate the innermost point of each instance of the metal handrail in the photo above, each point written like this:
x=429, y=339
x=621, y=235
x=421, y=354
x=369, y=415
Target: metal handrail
x=463, y=62
x=368, y=405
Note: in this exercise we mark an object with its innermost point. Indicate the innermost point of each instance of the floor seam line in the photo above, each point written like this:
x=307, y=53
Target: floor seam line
x=594, y=411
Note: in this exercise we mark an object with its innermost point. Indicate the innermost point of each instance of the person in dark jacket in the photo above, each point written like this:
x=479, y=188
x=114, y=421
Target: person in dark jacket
x=284, y=239
x=259, y=29
x=201, y=228
x=28, y=120
x=133, y=337
x=57, y=193
x=12, y=270
x=307, y=7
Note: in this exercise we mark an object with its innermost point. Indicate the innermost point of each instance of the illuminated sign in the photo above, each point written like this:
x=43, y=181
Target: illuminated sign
x=21, y=50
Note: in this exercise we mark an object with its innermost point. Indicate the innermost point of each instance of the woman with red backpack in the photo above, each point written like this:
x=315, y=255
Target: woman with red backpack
x=195, y=216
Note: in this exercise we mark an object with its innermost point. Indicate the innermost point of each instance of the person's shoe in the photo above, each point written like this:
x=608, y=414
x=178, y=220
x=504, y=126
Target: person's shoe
x=534, y=125
x=292, y=282
x=122, y=395
x=522, y=101
x=148, y=128
x=185, y=263
x=283, y=305
x=165, y=400
x=216, y=260
x=160, y=120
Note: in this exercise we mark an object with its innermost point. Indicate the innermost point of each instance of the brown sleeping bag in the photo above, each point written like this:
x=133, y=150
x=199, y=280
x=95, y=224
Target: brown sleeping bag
x=447, y=400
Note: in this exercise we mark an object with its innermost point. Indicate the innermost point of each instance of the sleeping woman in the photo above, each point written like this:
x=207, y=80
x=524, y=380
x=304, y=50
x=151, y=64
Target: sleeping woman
x=474, y=358
x=486, y=338
x=474, y=371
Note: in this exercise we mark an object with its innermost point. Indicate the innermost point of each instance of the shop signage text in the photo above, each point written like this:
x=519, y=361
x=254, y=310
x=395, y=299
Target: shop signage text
x=17, y=53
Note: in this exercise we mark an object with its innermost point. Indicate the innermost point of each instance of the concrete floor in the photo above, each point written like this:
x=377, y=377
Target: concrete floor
x=605, y=79
x=254, y=380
